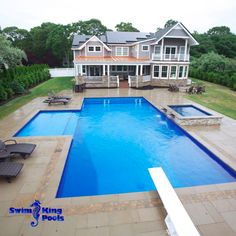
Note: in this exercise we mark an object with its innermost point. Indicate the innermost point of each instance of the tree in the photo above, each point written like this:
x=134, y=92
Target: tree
x=59, y=42
x=170, y=23
x=126, y=27
x=219, y=30
x=9, y=55
x=90, y=27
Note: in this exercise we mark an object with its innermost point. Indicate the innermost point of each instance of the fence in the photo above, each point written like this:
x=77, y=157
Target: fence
x=62, y=72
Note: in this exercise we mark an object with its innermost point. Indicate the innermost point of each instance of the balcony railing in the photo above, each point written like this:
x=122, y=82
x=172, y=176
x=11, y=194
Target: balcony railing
x=170, y=57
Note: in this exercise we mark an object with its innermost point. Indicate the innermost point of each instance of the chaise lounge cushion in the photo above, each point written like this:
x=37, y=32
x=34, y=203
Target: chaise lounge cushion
x=21, y=148
x=10, y=169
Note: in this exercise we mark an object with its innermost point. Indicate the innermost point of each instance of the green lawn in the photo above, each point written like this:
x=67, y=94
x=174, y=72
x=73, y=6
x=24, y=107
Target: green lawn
x=217, y=97
x=55, y=84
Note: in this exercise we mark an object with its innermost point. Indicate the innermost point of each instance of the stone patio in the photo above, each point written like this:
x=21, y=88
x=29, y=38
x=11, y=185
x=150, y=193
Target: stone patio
x=212, y=208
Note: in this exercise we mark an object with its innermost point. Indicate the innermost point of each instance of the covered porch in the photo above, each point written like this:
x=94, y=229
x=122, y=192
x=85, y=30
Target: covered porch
x=109, y=75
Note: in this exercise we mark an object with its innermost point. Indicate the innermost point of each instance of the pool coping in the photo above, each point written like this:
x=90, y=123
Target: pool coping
x=62, y=160
x=205, y=204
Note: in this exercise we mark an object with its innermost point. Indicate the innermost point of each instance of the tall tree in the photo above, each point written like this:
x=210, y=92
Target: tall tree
x=59, y=41
x=170, y=22
x=126, y=27
x=9, y=55
x=90, y=27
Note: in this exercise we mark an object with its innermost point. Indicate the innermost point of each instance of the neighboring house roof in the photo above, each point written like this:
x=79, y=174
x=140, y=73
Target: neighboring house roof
x=110, y=37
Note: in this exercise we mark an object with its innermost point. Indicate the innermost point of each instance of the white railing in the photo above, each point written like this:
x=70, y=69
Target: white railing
x=92, y=78
x=62, y=72
x=132, y=79
x=146, y=78
x=178, y=221
x=118, y=81
x=170, y=57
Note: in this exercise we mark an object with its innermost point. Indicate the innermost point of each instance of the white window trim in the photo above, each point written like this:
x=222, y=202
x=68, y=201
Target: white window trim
x=167, y=72
x=155, y=49
x=170, y=46
x=94, y=48
x=159, y=72
x=182, y=77
x=122, y=52
x=144, y=45
x=175, y=72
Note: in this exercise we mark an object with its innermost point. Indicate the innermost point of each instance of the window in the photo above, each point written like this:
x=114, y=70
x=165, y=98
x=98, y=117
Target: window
x=156, y=71
x=122, y=51
x=164, y=70
x=94, y=49
x=173, y=72
x=98, y=49
x=91, y=49
x=157, y=49
x=170, y=52
x=145, y=47
x=119, y=68
x=181, y=70
x=185, y=71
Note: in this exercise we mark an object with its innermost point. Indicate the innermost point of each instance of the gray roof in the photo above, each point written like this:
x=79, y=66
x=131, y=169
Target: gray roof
x=126, y=37
x=116, y=37
x=78, y=40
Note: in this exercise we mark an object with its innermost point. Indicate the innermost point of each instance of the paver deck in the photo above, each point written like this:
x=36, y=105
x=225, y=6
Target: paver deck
x=212, y=207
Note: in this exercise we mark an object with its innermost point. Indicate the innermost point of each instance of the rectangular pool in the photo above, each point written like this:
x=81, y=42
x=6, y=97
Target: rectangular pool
x=116, y=140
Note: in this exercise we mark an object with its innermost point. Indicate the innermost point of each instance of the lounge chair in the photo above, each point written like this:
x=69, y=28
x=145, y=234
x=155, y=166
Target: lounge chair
x=55, y=96
x=10, y=169
x=23, y=149
x=58, y=100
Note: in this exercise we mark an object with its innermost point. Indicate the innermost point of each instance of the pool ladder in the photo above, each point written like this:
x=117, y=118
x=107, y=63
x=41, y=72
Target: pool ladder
x=106, y=102
x=138, y=101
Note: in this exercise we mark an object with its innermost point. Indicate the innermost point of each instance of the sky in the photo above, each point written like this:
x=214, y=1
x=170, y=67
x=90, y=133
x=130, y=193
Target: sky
x=198, y=15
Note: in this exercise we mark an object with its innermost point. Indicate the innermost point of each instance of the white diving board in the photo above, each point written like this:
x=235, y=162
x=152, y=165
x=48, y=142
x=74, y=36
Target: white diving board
x=178, y=221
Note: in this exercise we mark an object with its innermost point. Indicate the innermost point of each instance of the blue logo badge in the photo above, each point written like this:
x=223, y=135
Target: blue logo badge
x=46, y=213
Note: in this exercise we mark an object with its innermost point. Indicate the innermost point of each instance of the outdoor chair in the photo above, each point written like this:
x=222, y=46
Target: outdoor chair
x=9, y=150
x=53, y=95
x=9, y=170
x=57, y=100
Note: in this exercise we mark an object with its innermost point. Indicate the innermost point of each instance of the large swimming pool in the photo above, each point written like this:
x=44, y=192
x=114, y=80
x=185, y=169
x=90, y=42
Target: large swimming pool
x=116, y=140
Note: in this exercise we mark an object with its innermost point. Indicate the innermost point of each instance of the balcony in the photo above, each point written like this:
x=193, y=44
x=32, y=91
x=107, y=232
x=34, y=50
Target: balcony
x=170, y=57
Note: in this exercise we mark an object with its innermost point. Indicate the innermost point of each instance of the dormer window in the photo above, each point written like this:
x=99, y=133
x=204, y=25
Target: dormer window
x=145, y=47
x=91, y=49
x=94, y=48
x=98, y=49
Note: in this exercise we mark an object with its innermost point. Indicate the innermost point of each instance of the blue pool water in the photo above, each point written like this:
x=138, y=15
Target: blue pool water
x=189, y=110
x=116, y=140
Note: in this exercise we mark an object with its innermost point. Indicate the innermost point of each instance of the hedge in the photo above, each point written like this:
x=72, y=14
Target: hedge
x=214, y=68
x=18, y=80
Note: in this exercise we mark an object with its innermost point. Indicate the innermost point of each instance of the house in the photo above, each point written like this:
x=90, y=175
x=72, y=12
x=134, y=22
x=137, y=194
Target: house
x=141, y=59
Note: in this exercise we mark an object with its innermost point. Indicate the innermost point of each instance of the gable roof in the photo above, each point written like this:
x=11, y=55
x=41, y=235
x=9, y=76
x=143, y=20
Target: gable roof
x=164, y=32
x=96, y=39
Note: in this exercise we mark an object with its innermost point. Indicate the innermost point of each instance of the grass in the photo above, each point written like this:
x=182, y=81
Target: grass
x=55, y=84
x=217, y=97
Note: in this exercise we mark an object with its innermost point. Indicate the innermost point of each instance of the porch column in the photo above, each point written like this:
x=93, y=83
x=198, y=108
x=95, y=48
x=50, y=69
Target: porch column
x=141, y=70
x=81, y=69
x=137, y=66
x=108, y=70
x=185, y=49
x=103, y=69
x=162, y=48
x=76, y=70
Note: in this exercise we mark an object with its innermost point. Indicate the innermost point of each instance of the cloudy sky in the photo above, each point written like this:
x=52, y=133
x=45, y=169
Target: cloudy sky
x=145, y=15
